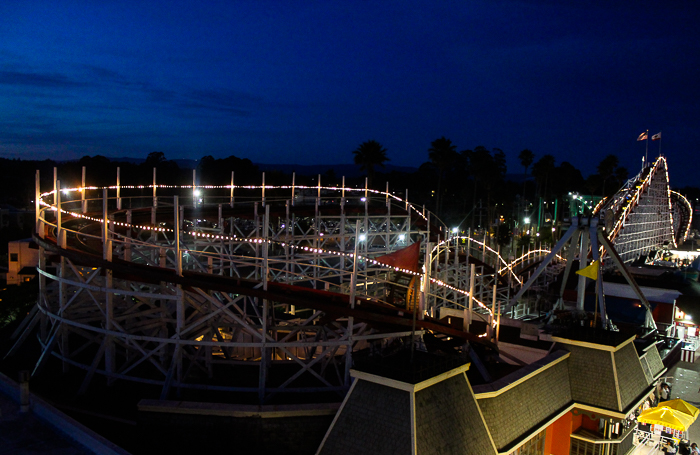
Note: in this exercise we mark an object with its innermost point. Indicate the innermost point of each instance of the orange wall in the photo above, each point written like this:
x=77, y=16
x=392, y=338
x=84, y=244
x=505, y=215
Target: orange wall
x=576, y=422
x=590, y=424
x=558, y=438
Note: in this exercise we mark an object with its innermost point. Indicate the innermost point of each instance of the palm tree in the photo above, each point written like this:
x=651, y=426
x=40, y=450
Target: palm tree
x=541, y=170
x=488, y=170
x=443, y=154
x=526, y=157
x=606, y=169
x=368, y=155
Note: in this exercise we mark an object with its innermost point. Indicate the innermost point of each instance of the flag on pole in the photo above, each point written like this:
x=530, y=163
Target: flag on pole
x=591, y=271
x=656, y=137
x=643, y=136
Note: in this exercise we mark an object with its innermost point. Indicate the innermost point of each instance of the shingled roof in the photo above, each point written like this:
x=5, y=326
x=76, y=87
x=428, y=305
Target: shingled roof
x=386, y=416
x=592, y=377
x=444, y=414
x=609, y=376
x=525, y=400
x=373, y=419
x=652, y=359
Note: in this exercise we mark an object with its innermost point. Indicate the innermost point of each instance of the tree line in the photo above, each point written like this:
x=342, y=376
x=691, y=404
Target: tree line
x=487, y=171
x=469, y=188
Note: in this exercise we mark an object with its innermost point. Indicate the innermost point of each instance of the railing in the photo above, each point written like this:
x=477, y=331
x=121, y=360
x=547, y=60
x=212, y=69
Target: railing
x=626, y=444
x=586, y=442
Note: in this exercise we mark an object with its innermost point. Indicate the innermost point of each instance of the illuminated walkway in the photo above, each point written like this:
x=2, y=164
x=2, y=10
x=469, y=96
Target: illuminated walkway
x=686, y=380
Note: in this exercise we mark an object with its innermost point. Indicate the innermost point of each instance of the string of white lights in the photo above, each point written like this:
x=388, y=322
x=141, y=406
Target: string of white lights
x=690, y=211
x=634, y=200
x=235, y=238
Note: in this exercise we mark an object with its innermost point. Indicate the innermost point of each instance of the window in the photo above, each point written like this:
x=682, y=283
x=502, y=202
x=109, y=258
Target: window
x=14, y=257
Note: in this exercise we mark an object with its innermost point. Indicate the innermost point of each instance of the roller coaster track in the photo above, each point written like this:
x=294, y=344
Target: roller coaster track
x=263, y=297
x=265, y=289
x=645, y=215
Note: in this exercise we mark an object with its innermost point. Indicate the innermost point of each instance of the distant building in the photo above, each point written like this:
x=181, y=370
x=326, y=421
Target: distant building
x=23, y=258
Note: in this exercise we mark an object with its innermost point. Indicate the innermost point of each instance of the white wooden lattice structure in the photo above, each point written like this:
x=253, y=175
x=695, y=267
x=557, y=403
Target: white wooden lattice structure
x=199, y=290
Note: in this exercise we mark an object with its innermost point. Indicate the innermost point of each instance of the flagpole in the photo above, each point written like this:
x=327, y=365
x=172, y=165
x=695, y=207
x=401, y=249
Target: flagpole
x=646, y=154
x=660, y=137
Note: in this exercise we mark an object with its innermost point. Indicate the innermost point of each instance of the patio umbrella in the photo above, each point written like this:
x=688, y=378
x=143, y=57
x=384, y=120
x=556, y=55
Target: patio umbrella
x=682, y=406
x=667, y=417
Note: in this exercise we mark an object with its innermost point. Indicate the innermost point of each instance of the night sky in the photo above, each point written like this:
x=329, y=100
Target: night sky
x=305, y=82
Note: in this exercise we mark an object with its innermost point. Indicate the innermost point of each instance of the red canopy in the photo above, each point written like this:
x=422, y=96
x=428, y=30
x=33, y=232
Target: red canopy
x=405, y=258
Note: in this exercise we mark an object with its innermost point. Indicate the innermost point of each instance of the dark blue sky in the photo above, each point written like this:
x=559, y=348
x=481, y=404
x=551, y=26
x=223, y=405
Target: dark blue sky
x=305, y=82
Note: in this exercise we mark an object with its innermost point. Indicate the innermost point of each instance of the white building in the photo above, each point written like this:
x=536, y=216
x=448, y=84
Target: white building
x=23, y=257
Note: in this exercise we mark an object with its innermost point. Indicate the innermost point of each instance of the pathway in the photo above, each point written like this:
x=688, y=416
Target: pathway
x=686, y=382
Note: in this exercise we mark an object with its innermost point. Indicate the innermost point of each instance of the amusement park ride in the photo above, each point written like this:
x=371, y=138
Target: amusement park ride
x=271, y=290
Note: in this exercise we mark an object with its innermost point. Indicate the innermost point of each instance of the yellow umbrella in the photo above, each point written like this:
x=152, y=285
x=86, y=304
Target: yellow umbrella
x=682, y=406
x=667, y=417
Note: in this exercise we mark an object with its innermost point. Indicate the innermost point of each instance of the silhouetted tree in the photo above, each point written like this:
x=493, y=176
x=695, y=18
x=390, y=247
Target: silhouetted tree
x=154, y=158
x=606, y=169
x=330, y=178
x=99, y=171
x=245, y=171
x=541, y=170
x=368, y=155
x=499, y=159
x=443, y=154
x=211, y=171
x=488, y=171
x=526, y=158
x=566, y=178
x=207, y=171
x=612, y=176
x=593, y=183
x=168, y=172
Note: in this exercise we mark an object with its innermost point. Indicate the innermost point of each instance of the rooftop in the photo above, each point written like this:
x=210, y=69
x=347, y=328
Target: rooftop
x=590, y=335
x=404, y=367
